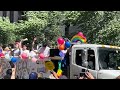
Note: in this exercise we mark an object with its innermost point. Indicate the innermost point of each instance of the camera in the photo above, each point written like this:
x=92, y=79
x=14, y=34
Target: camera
x=82, y=74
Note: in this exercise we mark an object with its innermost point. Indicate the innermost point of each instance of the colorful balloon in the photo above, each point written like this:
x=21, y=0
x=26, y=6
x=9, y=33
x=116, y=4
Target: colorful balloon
x=33, y=75
x=24, y=56
x=49, y=65
x=61, y=54
x=59, y=72
x=34, y=59
x=61, y=47
x=14, y=59
x=67, y=44
x=81, y=34
x=2, y=55
x=0, y=50
x=80, y=38
x=41, y=56
x=60, y=41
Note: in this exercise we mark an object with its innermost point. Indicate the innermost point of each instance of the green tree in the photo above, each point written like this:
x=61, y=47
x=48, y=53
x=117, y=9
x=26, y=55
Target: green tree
x=43, y=24
x=99, y=26
x=7, y=31
x=110, y=34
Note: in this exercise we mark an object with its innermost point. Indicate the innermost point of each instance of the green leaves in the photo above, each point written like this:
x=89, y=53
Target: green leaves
x=6, y=31
x=99, y=26
x=102, y=27
x=110, y=34
x=43, y=24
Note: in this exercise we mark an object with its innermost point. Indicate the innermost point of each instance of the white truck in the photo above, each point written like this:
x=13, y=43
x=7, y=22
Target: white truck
x=102, y=61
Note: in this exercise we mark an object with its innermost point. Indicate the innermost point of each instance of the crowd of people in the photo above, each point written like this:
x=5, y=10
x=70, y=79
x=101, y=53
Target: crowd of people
x=19, y=48
x=11, y=74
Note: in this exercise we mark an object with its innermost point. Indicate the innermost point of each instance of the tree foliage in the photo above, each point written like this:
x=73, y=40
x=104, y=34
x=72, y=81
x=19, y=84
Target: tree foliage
x=101, y=27
x=41, y=24
x=6, y=31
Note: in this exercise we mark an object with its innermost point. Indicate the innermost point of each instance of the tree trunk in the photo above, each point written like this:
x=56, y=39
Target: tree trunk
x=67, y=25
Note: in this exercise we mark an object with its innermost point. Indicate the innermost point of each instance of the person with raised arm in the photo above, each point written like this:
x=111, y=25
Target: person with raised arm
x=25, y=51
x=33, y=52
x=18, y=47
x=45, y=50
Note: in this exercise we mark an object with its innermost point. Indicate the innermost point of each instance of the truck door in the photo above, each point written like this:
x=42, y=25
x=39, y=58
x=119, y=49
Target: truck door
x=108, y=59
x=76, y=62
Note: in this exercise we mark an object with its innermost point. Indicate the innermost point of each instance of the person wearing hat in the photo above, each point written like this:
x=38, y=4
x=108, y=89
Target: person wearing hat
x=33, y=75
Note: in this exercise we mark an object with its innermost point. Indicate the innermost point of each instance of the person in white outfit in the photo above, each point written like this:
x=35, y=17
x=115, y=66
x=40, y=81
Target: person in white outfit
x=24, y=50
x=45, y=50
x=33, y=52
x=18, y=47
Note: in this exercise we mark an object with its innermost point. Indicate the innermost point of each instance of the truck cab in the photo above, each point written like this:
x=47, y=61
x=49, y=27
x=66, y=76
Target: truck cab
x=102, y=61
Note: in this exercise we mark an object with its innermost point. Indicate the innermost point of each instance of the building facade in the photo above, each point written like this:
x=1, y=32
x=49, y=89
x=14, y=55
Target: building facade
x=14, y=16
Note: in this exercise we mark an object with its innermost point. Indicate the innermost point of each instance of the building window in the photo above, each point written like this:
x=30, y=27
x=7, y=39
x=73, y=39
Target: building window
x=11, y=16
x=4, y=13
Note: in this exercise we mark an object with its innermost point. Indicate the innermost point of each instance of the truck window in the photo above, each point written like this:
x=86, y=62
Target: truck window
x=91, y=58
x=79, y=57
x=109, y=58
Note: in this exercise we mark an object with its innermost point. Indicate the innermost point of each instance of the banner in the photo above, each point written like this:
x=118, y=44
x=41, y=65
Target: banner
x=5, y=66
x=24, y=68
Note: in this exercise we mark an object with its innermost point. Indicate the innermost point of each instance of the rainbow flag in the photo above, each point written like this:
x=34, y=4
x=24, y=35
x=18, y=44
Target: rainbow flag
x=79, y=37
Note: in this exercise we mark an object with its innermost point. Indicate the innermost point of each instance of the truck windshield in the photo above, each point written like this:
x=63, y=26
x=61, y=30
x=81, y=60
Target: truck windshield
x=109, y=58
